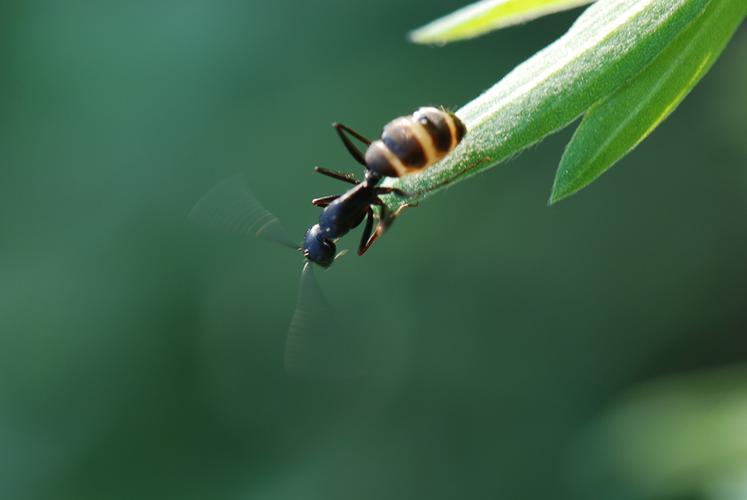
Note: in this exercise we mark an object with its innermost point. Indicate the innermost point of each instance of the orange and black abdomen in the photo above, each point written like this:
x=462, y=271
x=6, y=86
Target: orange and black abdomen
x=413, y=143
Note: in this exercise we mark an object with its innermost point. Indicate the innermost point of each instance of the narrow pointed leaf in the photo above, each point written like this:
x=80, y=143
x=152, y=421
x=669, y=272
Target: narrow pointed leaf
x=488, y=15
x=611, y=42
x=617, y=124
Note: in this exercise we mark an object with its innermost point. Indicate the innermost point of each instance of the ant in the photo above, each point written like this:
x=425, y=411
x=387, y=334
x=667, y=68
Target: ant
x=408, y=144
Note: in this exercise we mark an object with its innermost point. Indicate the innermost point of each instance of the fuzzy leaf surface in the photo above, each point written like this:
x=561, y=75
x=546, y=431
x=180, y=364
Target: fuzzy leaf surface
x=617, y=124
x=610, y=43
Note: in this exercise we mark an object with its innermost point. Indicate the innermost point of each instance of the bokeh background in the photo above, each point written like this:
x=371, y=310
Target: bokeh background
x=589, y=350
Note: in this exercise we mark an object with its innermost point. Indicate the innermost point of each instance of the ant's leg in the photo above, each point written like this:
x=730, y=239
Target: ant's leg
x=386, y=219
x=391, y=218
x=342, y=130
x=340, y=127
x=325, y=200
x=391, y=190
x=366, y=233
x=350, y=178
x=380, y=228
x=378, y=232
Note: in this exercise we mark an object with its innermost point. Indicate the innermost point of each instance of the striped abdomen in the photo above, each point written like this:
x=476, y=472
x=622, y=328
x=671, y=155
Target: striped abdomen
x=413, y=143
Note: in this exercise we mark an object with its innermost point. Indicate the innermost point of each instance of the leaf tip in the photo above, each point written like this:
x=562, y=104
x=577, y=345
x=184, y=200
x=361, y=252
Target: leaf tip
x=563, y=187
x=424, y=36
x=413, y=36
x=556, y=196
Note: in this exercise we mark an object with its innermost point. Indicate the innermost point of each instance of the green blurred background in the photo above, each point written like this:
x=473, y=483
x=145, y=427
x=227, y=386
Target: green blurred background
x=140, y=357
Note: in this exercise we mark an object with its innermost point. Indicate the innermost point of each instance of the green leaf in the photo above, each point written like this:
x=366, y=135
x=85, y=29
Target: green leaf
x=617, y=124
x=488, y=15
x=612, y=41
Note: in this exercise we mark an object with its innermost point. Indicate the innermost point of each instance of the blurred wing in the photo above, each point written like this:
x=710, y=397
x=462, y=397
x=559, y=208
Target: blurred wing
x=232, y=206
x=316, y=345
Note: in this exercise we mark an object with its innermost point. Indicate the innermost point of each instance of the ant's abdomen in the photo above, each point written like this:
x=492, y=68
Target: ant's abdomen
x=413, y=143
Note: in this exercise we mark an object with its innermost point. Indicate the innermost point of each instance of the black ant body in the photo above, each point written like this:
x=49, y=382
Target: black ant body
x=408, y=144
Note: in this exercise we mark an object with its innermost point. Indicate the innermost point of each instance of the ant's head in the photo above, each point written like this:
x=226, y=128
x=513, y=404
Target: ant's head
x=317, y=249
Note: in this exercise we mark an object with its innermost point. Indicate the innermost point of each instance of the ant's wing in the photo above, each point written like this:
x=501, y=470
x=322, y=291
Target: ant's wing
x=231, y=205
x=316, y=345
